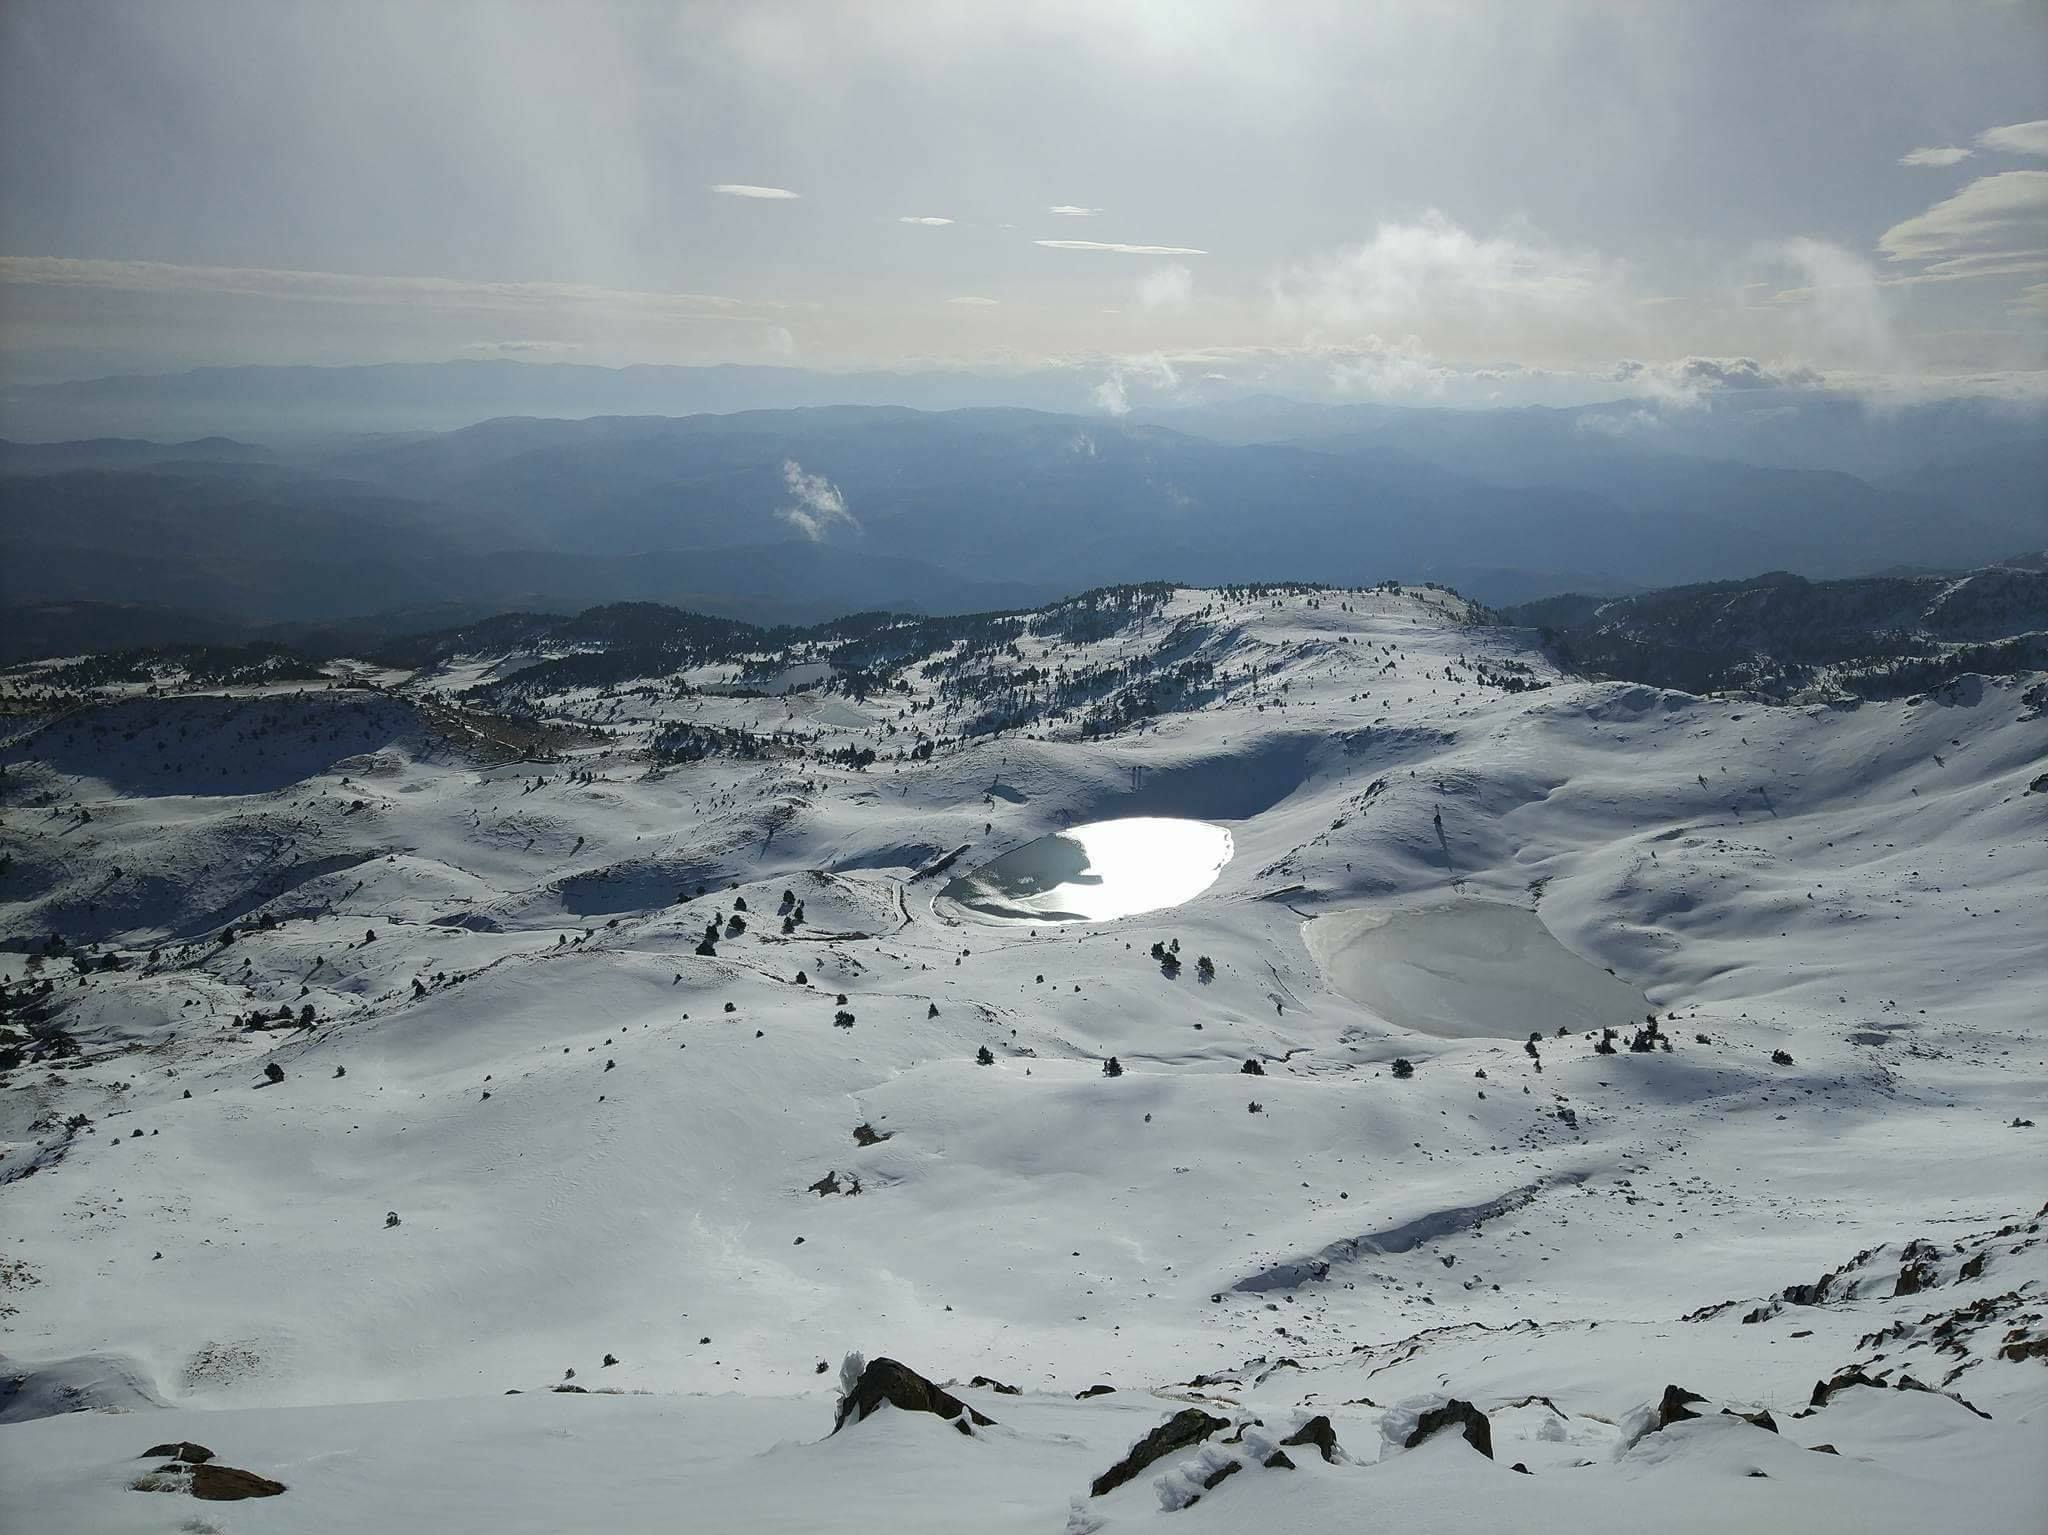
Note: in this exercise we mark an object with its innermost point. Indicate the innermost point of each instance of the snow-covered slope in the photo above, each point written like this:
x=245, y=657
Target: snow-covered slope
x=1334, y=1174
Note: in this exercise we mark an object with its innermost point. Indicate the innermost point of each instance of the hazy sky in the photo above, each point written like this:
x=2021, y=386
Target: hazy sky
x=1388, y=201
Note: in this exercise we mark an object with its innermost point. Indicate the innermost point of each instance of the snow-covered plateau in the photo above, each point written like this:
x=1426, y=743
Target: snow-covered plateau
x=507, y=1119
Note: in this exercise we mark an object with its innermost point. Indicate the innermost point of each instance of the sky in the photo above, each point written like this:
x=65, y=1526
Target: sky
x=1508, y=201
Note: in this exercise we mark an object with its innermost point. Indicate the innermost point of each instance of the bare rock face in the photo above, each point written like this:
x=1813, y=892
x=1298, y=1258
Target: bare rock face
x=1675, y=1407
x=1473, y=1423
x=1824, y=1389
x=184, y=1450
x=1761, y=1418
x=885, y=1380
x=225, y=1484
x=1188, y=1427
x=1318, y=1432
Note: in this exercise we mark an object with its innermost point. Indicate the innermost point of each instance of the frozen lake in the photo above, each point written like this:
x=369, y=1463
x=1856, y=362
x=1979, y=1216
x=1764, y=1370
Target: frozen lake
x=1095, y=873
x=1471, y=968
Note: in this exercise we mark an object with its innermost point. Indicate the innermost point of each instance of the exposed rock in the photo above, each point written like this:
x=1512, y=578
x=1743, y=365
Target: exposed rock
x=1098, y=1389
x=1279, y=1461
x=1468, y=1419
x=1675, y=1406
x=1190, y=1426
x=1761, y=1417
x=183, y=1449
x=996, y=1386
x=885, y=1380
x=225, y=1484
x=1318, y=1432
x=1844, y=1379
x=1918, y=1272
x=1823, y=1449
x=1227, y=1469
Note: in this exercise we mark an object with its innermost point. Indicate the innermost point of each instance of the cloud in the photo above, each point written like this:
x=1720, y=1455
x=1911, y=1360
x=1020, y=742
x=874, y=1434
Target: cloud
x=1624, y=424
x=1840, y=311
x=819, y=505
x=1113, y=394
x=1389, y=370
x=445, y=293
x=1121, y=250
x=1408, y=275
x=1995, y=226
x=1688, y=380
x=1069, y=211
x=520, y=348
x=2018, y=138
x=741, y=189
x=913, y=219
x=973, y=299
x=1946, y=155
x=2032, y=304
x=1168, y=287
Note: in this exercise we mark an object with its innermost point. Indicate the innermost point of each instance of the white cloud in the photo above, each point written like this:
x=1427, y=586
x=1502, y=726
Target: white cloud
x=819, y=505
x=2018, y=138
x=1408, y=275
x=2032, y=304
x=973, y=299
x=1995, y=226
x=1113, y=394
x=1069, y=211
x=1389, y=370
x=1121, y=250
x=1624, y=424
x=1945, y=155
x=1689, y=380
x=520, y=348
x=1169, y=287
x=742, y=189
x=445, y=293
x=913, y=219
x=1839, y=311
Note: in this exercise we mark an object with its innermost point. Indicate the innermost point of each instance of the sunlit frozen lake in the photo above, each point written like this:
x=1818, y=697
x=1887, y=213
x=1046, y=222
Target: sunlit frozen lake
x=1094, y=873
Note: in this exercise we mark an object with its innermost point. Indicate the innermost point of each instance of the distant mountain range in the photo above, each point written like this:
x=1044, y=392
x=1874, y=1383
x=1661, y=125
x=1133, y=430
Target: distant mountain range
x=1879, y=636
x=800, y=514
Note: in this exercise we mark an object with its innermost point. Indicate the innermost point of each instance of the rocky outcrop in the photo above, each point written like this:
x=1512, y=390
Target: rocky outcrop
x=1824, y=1389
x=1463, y=1416
x=1675, y=1406
x=885, y=1380
x=1318, y=1432
x=227, y=1484
x=1186, y=1428
x=183, y=1449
